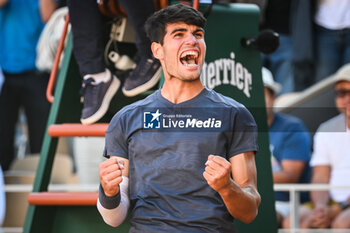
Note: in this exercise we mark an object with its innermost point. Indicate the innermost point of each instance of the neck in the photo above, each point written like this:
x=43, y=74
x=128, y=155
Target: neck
x=177, y=91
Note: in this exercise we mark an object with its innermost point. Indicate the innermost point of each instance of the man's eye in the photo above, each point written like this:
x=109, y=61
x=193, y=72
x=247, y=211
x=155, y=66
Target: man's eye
x=199, y=35
x=178, y=35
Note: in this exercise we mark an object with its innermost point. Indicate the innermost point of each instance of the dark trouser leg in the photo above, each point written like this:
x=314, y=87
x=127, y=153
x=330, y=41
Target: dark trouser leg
x=36, y=109
x=328, y=52
x=9, y=106
x=138, y=12
x=88, y=35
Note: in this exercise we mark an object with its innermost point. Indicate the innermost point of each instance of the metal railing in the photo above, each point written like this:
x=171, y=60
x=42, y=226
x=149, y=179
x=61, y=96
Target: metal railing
x=53, y=187
x=294, y=198
x=293, y=189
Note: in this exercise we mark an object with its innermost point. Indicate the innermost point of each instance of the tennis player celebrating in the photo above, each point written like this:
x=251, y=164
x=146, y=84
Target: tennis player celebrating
x=195, y=173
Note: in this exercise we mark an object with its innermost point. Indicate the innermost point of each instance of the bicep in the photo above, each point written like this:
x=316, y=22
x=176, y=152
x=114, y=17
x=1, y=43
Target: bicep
x=125, y=171
x=293, y=167
x=244, y=169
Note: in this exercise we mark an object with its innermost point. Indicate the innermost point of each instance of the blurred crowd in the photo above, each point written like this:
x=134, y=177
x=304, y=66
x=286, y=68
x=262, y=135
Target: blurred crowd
x=314, y=44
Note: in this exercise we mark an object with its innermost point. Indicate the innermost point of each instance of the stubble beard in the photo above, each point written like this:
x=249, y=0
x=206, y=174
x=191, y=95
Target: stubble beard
x=186, y=79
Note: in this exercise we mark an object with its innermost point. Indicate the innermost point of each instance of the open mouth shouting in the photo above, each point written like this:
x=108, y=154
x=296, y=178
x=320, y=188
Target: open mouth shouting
x=189, y=58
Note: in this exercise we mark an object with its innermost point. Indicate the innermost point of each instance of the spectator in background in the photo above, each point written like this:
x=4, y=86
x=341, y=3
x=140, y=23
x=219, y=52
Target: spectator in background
x=331, y=164
x=290, y=147
x=99, y=84
x=20, y=27
x=2, y=198
x=332, y=36
x=292, y=63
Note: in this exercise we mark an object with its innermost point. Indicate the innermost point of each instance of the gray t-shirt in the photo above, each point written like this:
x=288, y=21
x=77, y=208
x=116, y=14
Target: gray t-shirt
x=167, y=146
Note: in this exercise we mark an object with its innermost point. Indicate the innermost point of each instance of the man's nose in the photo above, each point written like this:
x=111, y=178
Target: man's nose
x=191, y=40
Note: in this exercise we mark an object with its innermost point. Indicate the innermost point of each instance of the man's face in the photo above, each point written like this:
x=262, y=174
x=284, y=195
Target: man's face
x=183, y=51
x=342, y=100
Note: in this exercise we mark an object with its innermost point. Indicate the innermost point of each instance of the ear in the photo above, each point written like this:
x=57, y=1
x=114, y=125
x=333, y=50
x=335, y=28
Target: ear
x=157, y=50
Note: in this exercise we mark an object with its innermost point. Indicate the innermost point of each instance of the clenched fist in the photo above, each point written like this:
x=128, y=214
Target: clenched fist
x=111, y=176
x=217, y=172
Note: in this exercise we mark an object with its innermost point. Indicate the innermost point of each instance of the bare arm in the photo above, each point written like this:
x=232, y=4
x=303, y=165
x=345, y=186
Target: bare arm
x=290, y=173
x=239, y=194
x=47, y=7
x=3, y=2
x=321, y=175
x=321, y=215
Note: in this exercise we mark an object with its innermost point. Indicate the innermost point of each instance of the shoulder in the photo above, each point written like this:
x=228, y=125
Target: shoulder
x=138, y=104
x=221, y=100
x=129, y=111
x=336, y=123
x=290, y=121
x=239, y=113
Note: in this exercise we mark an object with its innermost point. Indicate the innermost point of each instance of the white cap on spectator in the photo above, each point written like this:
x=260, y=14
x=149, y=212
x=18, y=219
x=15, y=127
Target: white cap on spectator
x=269, y=82
x=343, y=74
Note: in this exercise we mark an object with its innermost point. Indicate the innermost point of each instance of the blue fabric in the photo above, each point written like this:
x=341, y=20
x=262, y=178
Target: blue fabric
x=19, y=19
x=332, y=51
x=290, y=140
x=168, y=192
x=280, y=64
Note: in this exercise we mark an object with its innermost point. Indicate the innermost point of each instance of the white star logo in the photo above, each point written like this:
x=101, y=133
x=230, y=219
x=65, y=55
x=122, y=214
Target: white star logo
x=156, y=115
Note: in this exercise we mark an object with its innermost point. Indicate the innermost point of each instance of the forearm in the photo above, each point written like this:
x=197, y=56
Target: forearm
x=283, y=177
x=320, y=198
x=112, y=209
x=321, y=176
x=241, y=202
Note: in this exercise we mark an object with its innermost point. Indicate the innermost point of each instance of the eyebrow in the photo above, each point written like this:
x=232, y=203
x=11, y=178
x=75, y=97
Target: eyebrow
x=185, y=30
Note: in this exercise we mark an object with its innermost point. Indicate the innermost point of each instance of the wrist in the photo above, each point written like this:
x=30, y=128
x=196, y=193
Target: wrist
x=227, y=189
x=321, y=205
x=344, y=205
x=108, y=202
x=113, y=193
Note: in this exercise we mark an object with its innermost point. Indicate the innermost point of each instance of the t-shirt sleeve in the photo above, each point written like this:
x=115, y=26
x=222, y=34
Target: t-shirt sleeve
x=320, y=153
x=116, y=138
x=244, y=132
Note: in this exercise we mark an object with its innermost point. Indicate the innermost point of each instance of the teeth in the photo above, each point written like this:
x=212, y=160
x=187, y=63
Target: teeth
x=190, y=64
x=193, y=53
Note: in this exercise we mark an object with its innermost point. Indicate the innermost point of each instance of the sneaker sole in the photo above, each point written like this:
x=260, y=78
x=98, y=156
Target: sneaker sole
x=105, y=103
x=144, y=87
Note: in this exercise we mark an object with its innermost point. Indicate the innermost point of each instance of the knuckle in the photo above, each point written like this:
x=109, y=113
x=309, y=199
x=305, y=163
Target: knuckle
x=227, y=170
x=102, y=166
x=102, y=173
x=227, y=167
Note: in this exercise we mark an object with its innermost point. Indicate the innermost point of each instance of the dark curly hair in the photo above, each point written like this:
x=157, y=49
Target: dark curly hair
x=155, y=24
